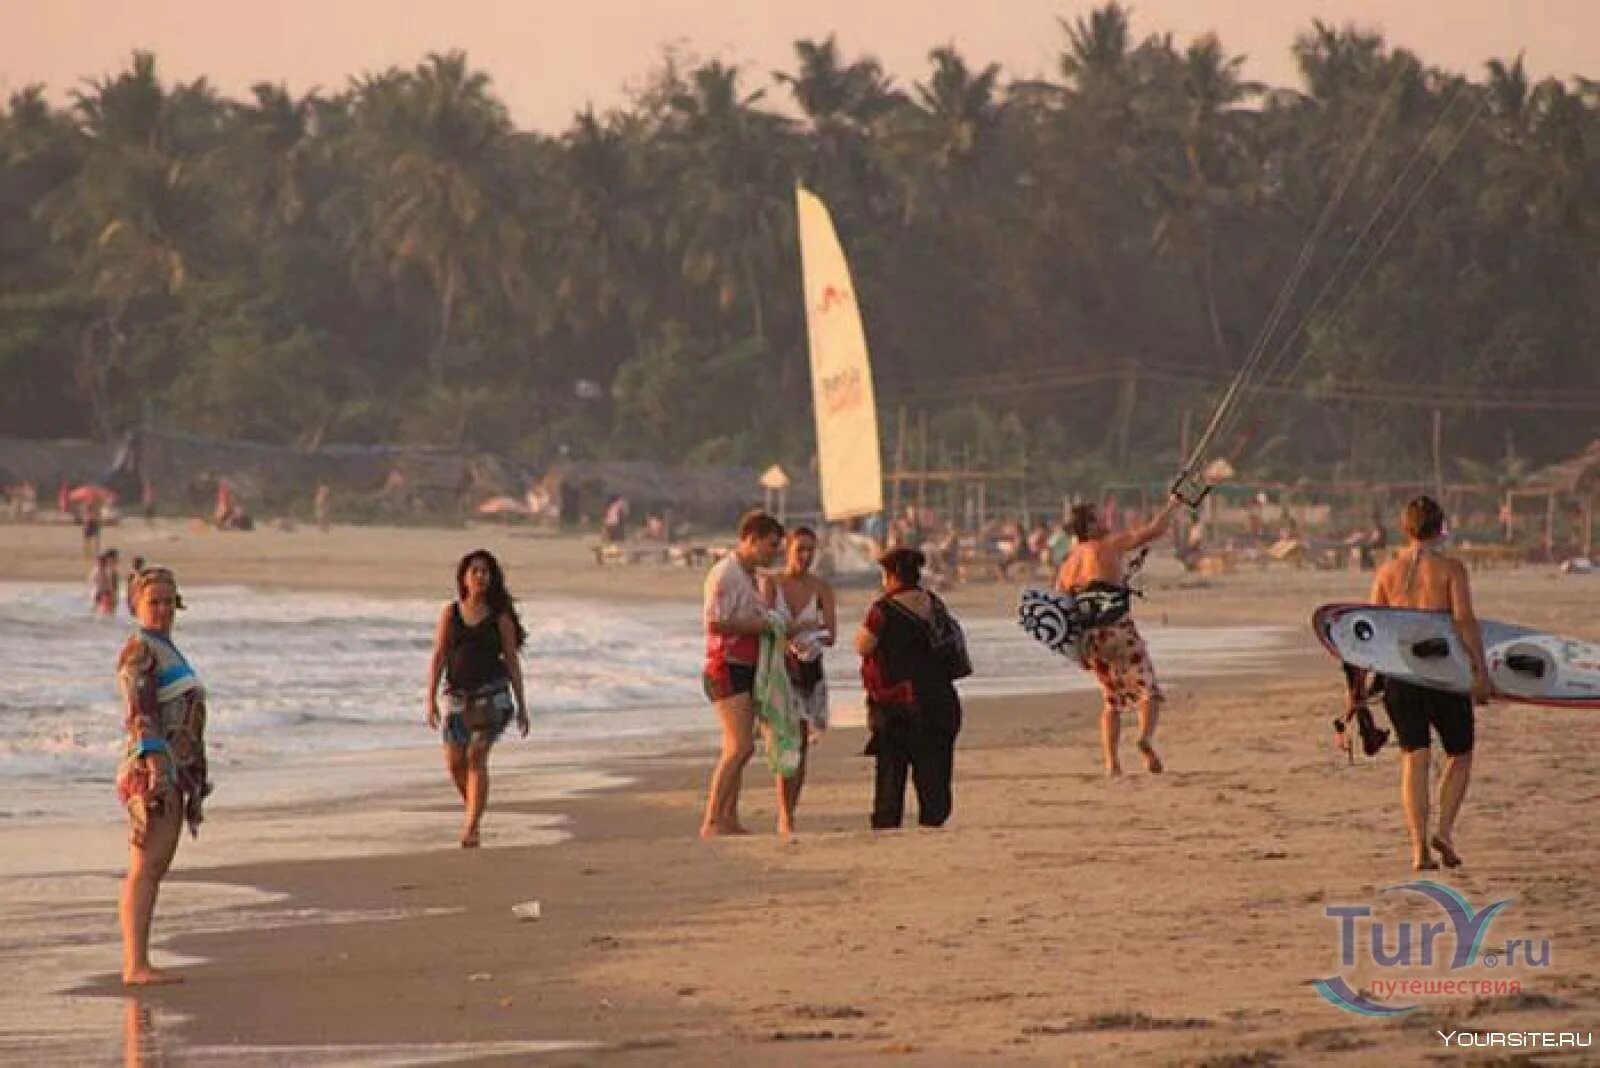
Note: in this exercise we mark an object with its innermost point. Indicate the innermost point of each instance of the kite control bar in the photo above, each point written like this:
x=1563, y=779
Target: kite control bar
x=1191, y=488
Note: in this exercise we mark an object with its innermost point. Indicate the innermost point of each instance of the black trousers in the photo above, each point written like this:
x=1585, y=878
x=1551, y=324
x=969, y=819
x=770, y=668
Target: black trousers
x=906, y=742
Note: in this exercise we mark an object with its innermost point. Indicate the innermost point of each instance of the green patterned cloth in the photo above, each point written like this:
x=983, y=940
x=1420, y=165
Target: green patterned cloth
x=775, y=703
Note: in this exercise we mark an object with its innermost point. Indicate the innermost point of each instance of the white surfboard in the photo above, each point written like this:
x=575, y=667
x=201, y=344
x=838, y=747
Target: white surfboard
x=1525, y=665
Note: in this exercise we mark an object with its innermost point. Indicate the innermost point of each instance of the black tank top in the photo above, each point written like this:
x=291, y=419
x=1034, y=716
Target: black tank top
x=473, y=654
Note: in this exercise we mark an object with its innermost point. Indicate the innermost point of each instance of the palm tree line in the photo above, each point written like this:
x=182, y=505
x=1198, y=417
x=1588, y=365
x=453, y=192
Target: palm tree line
x=396, y=261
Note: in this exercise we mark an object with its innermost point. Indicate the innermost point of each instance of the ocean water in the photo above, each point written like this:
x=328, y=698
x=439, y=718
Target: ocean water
x=296, y=677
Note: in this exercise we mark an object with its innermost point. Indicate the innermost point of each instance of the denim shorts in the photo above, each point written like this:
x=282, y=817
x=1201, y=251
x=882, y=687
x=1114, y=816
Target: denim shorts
x=455, y=722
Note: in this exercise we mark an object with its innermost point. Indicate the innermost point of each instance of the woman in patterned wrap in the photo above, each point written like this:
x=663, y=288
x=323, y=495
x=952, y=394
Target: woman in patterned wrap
x=162, y=778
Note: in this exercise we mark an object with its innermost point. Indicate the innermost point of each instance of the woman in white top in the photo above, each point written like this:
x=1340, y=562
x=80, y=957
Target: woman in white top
x=807, y=602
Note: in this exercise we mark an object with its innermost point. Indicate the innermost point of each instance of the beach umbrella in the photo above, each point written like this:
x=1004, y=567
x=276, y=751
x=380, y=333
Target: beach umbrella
x=89, y=493
x=502, y=506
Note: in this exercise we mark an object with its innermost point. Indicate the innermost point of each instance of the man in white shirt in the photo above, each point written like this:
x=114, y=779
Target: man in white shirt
x=735, y=618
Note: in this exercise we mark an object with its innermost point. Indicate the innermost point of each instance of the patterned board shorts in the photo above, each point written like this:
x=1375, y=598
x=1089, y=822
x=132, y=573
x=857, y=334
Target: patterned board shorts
x=1121, y=664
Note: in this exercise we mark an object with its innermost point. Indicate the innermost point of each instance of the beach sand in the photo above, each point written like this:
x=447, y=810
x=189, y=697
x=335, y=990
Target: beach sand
x=1059, y=918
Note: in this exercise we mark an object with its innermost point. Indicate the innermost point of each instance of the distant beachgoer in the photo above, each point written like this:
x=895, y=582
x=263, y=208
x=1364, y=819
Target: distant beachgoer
x=1193, y=545
x=91, y=528
x=946, y=556
x=1421, y=576
x=319, y=505
x=103, y=582
x=24, y=501
x=1374, y=541
x=133, y=574
x=1115, y=651
x=1012, y=549
x=1288, y=549
x=613, y=522
x=808, y=602
x=1039, y=542
x=475, y=650
x=147, y=501
x=1059, y=546
x=162, y=779
x=222, y=514
x=735, y=618
x=913, y=710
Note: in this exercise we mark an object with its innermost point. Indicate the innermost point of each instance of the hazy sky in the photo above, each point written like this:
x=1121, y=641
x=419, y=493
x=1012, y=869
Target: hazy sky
x=549, y=57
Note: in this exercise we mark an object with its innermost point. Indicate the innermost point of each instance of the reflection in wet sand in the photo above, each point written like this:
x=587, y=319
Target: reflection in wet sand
x=142, y=1048
x=141, y=1042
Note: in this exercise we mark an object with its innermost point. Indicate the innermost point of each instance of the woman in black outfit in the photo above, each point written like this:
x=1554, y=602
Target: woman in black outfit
x=475, y=649
x=912, y=708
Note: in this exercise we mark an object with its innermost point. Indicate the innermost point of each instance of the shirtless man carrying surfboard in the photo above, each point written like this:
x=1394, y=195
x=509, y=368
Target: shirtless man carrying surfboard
x=1420, y=576
x=1114, y=651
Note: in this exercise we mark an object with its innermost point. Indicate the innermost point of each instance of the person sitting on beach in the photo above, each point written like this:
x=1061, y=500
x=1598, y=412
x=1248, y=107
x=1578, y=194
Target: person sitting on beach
x=475, y=648
x=1366, y=544
x=735, y=618
x=162, y=778
x=1011, y=549
x=946, y=558
x=1288, y=549
x=1420, y=576
x=1039, y=542
x=808, y=602
x=1115, y=651
x=913, y=710
x=103, y=581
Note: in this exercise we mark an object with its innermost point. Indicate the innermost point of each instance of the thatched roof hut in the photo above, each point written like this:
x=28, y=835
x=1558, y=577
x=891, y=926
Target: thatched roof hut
x=184, y=469
x=1577, y=475
x=708, y=493
x=1575, y=481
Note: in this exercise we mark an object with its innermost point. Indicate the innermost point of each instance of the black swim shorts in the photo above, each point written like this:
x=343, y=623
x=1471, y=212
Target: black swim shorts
x=1413, y=708
x=728, y=680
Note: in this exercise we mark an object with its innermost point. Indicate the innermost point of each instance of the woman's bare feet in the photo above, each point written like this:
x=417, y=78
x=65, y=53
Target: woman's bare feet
x=1152, y=763
x=1424, y=863
x=471, y=839
x=1114, y=769
x=1446, y=850
x=719, y=830
x=148, y=976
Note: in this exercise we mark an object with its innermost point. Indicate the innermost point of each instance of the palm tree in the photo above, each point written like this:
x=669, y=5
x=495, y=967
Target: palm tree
x=1095, y=63
x=734, y=159
x=273, y=137
x=434, y=141
x=1204, y=119
x=846, y=106
x=134, y=202
x=958, y=111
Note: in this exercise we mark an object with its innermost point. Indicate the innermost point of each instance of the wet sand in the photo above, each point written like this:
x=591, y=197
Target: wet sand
x=1060, y=918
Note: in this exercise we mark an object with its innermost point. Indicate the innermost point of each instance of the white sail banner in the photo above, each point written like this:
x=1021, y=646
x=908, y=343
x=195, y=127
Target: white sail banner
x=841, y=374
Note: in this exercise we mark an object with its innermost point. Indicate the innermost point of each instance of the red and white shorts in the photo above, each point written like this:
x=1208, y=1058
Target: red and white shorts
x=1121, y=664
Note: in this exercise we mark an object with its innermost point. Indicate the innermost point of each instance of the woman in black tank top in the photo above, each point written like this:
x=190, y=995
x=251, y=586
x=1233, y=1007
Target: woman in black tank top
x=475, y=651
x=475, y=656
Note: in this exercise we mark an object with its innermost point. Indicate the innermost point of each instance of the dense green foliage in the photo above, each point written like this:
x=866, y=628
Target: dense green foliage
x=1085, y=258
